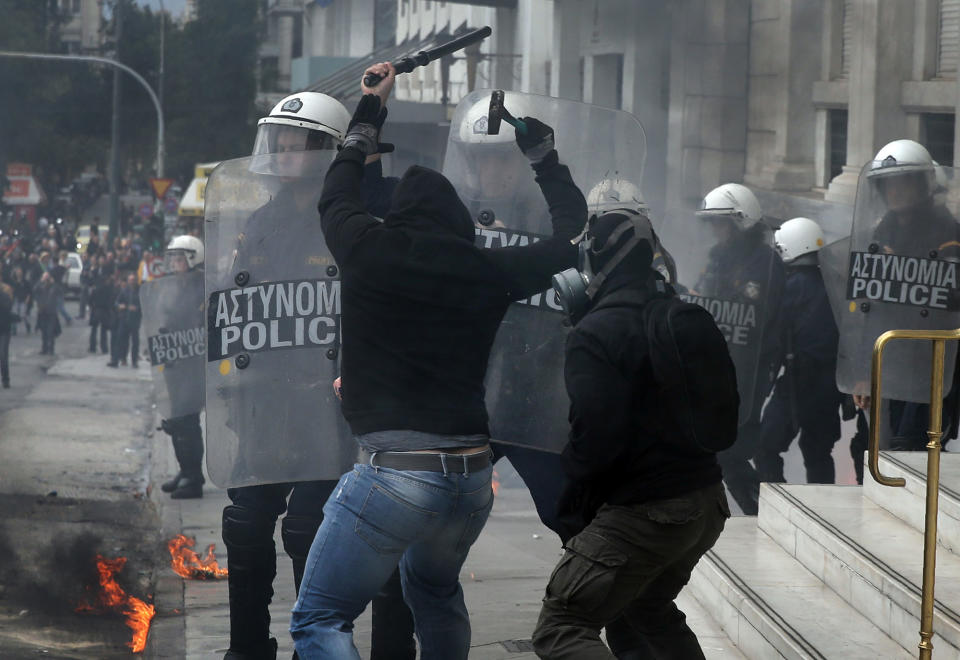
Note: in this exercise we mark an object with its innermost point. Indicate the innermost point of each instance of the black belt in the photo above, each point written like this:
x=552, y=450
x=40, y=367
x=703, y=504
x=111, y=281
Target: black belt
x=420, y=462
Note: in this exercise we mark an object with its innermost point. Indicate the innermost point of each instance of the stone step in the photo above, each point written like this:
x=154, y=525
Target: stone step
x=909, y=503
x=770, y=606
x=869, y=557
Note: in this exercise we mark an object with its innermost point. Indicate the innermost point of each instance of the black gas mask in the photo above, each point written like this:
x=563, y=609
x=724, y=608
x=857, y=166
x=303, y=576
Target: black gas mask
x=577, y=288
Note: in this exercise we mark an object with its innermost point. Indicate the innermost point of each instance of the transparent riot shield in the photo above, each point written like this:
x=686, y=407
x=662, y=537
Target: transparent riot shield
x=737, y=276
x=273, y=325
x=526, y=396
x=173, y=323
x=902, y=271
x=833, y=267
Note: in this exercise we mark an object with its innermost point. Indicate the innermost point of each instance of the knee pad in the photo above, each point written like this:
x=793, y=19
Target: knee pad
x=297, y=533
x=244, y=527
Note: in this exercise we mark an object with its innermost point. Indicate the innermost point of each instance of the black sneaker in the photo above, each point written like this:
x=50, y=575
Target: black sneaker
x=113, y=365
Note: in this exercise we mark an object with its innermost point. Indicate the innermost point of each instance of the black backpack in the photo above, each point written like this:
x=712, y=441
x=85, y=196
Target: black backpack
x=695, y=377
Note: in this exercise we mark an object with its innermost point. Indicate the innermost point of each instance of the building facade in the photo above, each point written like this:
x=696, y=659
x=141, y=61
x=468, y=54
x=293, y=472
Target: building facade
x=81, y=28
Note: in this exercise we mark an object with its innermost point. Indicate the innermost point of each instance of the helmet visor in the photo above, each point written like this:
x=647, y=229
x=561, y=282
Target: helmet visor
x=282, y=138
x=177, y=260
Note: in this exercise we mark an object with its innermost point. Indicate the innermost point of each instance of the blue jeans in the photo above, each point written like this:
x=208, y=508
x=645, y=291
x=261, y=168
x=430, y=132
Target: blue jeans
x=375, y=518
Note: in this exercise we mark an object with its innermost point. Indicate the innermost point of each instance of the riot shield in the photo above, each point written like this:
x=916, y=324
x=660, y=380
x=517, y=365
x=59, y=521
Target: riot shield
x=526, y=396
x=173, y=322
x=738, y=277
x=901, y=273
x=273, y=325
x=833, y=267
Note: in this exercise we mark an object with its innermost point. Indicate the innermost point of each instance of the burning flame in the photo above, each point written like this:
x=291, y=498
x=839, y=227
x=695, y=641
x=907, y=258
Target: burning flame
x=186, y=563
x=112, y=597
x=495, y=484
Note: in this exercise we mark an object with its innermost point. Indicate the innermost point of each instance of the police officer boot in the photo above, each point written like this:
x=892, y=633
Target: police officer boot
x=252, y=566
x=266, y=651
x=190, y=438
x=171, y=485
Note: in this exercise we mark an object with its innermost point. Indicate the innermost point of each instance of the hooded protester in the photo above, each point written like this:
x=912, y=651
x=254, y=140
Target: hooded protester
x=421, y=304
x=278, y=241
x=643, y=502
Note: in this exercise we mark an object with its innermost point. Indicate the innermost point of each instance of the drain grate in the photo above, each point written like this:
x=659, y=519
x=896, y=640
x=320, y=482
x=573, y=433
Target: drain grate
x=518, y=645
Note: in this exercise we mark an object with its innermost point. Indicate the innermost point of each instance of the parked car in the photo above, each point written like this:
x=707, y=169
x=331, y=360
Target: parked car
x=74, y=271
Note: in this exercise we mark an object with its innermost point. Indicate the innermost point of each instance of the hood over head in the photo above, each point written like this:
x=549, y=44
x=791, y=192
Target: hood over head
x=425, y=200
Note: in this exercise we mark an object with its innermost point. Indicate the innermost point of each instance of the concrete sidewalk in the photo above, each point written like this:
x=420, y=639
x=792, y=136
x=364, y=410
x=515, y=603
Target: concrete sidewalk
x=503, y=581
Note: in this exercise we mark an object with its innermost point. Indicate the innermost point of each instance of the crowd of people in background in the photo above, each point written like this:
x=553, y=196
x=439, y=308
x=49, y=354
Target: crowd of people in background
x=38, y=270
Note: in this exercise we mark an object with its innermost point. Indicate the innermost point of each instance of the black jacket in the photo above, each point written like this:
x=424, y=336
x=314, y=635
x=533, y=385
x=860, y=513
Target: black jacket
x=421, y=303
x=615, y=454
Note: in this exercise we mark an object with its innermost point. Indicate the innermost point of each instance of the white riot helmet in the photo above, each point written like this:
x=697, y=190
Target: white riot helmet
x=798, y=237
x=473, y=128
x=908, y=159
x=901, y=157
x=308, y=121
x=189, y=247
x=615, y=193
x=733, y=201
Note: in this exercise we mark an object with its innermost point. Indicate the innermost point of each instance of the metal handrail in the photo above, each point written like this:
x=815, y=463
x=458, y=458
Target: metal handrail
x=935, y=433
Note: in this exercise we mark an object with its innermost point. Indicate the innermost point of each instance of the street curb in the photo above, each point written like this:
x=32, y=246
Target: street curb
x=168, y=635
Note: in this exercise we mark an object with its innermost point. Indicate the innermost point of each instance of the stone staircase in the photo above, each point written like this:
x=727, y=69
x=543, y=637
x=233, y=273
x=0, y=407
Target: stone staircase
x=835, y=571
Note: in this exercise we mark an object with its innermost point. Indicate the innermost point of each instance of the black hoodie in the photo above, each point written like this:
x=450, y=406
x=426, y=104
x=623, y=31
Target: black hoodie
x=421, y=303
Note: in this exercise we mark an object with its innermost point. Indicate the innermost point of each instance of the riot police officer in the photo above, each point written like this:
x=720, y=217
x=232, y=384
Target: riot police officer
x=183, y=387
x=900, y=185
x=744, y=279
x=805, y=397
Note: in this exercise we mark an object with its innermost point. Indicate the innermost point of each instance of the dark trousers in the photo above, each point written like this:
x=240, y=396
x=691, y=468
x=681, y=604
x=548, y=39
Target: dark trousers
x=84, y=295
x=5, y=358
x=254, y=557
x=629, y=564
x=813, y=412
x=47, y=323
x=187, y=437
x=99, y=319
x=859, y=443
x=126, y=337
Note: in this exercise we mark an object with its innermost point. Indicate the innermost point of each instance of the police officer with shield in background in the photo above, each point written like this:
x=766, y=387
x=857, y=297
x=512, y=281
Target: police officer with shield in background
x=728, y=266
x=276, y=436
x=805, y=398
x=173, y=322
x=902, y=273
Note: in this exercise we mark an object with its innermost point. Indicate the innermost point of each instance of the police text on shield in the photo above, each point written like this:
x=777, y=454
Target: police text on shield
x=169, y=347
x=736, y=320
x=273, y=316
x=893, y=278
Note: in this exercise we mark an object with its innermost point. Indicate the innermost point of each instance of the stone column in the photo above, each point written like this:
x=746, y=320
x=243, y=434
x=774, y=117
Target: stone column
x=708, y=96
x=285, y=50
x=793, y=54
x=882, y=60
x=565, y=67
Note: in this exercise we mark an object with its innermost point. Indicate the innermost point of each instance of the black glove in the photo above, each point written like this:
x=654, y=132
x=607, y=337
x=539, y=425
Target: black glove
x=363, y=132
x=538, y=140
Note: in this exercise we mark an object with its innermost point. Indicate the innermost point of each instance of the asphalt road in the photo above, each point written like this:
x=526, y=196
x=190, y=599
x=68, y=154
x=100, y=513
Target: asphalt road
x=74, y=471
